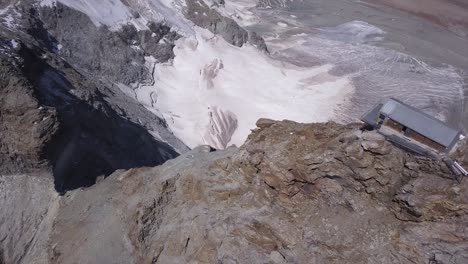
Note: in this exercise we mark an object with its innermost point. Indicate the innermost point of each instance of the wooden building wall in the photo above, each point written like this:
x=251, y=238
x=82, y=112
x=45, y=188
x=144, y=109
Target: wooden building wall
x=413, y=134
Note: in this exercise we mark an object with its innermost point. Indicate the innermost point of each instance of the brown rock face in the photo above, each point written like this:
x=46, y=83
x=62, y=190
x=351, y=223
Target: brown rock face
x=294, y=193
x=25, y=126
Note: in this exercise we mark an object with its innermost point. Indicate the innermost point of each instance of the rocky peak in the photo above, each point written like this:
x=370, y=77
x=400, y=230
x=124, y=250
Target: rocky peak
x=293, y=193
x=331, y=157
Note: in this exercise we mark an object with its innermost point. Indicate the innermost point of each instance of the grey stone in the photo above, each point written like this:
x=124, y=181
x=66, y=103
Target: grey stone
x=203, y=16
x=232, y=206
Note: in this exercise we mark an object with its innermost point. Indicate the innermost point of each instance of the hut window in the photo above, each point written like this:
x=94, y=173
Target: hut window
x=381, y=119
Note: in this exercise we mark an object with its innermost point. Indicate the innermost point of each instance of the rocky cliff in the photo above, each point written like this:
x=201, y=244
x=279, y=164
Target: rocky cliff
x=293, y=193
x=62, y=112
x=69, y=72
x=55, y=119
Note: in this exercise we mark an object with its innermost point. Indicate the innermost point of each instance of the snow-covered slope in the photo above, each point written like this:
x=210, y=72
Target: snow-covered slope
x=213, y=92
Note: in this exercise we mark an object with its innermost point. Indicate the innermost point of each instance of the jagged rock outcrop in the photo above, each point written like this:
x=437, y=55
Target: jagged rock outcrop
x=207, y=17
x=118, y=56
x=25, y=126
x=293, y=193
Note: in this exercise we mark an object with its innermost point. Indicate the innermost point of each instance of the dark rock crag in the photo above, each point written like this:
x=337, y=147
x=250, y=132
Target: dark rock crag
x=116, y=56
x=207, y=17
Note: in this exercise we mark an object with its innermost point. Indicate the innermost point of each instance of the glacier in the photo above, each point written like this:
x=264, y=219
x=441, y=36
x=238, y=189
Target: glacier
x=211, y=82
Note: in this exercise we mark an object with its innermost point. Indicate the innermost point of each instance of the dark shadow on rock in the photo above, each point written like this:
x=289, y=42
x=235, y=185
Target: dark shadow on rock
x=92, y=140
x=38, y=31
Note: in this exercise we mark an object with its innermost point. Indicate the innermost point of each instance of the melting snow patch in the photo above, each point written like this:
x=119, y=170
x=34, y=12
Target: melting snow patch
x=14, y=44
x=9, y=16
x=136, y=48
x=239, y=10
x=281, y=24
x=354, y=31
x=213, y=92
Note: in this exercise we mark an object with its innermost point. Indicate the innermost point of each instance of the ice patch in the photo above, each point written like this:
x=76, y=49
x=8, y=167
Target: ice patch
x=126, y=90
x=213, y=92
x=281, y=24
x=222, y=125
x=14, y=44
x=136, y=48
x=139, y=23
x=239, y=10
x=300, y=35
x=354, y=31
x=9, y=16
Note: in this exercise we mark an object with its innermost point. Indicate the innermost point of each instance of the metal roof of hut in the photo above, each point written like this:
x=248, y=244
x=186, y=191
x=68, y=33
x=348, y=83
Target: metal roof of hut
x=414, y=119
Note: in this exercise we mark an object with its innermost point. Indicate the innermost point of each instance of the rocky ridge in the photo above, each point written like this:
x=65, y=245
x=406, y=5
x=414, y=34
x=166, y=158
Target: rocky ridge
x=208, y=17
x=293, y=193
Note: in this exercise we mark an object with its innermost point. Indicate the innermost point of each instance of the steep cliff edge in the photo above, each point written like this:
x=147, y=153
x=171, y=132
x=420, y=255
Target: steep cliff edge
x=293, y=193
x=61, y=110
x=55, y=119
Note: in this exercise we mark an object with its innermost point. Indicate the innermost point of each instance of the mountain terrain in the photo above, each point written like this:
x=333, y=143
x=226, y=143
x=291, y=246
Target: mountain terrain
x=141, y=131
x=293, y=193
